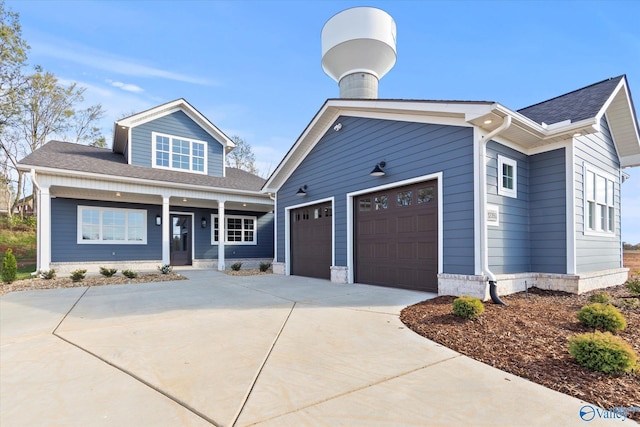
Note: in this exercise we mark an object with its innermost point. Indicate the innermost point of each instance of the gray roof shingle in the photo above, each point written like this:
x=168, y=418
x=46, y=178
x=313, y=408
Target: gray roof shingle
x=78, y=157
x=578, y=105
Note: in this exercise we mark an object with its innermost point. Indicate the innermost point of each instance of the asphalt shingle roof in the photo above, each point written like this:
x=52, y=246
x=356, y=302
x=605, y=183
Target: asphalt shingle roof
x=578, y=105
x=78, y=157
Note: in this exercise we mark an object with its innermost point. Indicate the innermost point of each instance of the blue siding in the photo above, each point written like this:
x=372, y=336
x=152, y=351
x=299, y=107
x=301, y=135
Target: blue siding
x=64, y=246
x=595, y=253
x=340, y=163
x=175, y=124
x=509, y=249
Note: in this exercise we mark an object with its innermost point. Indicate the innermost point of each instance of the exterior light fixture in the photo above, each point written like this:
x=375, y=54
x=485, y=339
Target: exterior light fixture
x=158, y=220
x=378, y=170
x=117, y=194
x=577, y=134
x=488, y=122
x=337, y=127
x=302, y=191
x=203, y=222
x=184, y=199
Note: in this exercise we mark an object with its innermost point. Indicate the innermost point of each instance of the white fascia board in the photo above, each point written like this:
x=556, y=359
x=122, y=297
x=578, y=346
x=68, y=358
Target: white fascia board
x=630, y=161
x=141, y=181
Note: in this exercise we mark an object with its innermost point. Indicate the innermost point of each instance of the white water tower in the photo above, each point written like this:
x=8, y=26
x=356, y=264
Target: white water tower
x=358, y=49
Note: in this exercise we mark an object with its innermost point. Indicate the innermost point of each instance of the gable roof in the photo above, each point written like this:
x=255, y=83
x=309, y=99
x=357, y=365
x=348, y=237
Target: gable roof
x=77, y=158
x=122, y=126
x=580, y=112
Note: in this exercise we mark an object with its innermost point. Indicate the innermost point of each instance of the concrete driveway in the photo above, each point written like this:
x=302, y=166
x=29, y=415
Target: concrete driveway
x=256, y=350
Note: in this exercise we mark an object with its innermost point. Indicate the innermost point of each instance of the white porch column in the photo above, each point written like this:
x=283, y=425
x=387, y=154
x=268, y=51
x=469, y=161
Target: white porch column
x=222, y=234
x=166, y=228
x=44, y=228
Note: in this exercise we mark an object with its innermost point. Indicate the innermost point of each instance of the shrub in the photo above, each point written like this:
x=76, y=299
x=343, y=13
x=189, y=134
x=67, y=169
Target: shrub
x=130, y=274
x=165, y=269
x=264, y=266
x=47, y=274
x=633, y=284
x=108, y=272
x=236, y=266
x=602, y=316
x=9, y=267
x=468, y=307
x=78, y=275
x=602, y=298
x=603, y=352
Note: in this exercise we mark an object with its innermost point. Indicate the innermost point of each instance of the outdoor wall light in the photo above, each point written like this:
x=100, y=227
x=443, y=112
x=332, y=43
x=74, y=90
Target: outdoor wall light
x=337, y=127
x=158, y=220
x=302, y=191
x=378, y=170
x=203, y=222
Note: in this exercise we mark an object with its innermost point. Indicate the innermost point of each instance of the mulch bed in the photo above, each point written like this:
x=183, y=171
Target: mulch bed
x=529, y=339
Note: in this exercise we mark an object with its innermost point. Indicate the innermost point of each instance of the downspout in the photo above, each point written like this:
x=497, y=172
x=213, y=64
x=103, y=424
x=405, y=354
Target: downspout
x=493, y=283
x=36, y=200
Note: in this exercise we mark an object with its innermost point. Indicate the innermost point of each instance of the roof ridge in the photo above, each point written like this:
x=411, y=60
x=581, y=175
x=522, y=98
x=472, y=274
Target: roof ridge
x=573, y=91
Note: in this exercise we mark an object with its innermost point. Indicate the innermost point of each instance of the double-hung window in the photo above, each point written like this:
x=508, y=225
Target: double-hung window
x=239, y=230
x=507, y=177
x=172, y=152
x=97, y=225
x=599, y=206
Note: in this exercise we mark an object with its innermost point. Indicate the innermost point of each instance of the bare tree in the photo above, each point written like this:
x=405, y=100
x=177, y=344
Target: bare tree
x=242, y=156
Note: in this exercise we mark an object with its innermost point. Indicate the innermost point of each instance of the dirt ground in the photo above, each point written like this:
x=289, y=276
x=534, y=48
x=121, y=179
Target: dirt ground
x=632, y=261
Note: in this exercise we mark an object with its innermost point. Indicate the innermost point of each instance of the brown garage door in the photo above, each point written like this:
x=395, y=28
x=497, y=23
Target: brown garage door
x=397, y=237
x=311, y=229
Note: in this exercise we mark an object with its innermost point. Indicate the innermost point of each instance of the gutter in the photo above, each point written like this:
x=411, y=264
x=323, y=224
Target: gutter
x=37, y=204
x=493, y=285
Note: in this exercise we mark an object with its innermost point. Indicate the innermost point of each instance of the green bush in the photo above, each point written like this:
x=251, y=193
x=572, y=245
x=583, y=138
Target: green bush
x=602, y=298
x=264, y=266
x=78, y=275
x=165, y=269
x=108, y=272
x=602, y=316
x=47, y=274
x=603, y=352
x=130, y=274
x=468, y=307
x=633, y=284
x=9, y=267
x=236, y=266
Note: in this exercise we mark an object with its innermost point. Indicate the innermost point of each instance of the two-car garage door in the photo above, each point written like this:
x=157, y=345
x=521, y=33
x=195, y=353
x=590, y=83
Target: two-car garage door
x=395, y=238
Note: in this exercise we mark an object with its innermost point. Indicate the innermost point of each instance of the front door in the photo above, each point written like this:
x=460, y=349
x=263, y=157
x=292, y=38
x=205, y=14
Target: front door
x=181, y=239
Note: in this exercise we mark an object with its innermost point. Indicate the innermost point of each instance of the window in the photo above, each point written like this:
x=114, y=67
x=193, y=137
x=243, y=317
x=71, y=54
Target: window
x=425, y=195
x=599, y=207
x=507, y=177
x=404, y=198
x=170, y=152
x=97, y=225
x=239, y=229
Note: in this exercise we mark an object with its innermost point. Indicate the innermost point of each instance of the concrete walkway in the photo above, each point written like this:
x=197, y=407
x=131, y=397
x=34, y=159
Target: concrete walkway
x=257, y=350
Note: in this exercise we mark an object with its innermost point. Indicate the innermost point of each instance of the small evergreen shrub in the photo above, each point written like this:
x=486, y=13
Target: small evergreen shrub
x=603, y=352
x=633, y=285
x=108, y=272
x=9, y=267
x=264, y=266
x=602, y=316
x=130, y=274
x=165, y=269
x=602, y=298
x=468, y=307
x=47, y=274
x=78, y=275
x=236, y=266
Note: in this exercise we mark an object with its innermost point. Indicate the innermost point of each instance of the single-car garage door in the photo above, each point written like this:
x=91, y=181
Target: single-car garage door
x=397, y=237
x=311, y=228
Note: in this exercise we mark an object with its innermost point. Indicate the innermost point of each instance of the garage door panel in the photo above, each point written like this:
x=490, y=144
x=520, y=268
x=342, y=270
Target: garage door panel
x=402, y=251
x=311, y=241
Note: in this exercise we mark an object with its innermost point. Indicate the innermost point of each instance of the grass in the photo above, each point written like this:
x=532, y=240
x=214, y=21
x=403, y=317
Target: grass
x=22, y=240
x=25, y=271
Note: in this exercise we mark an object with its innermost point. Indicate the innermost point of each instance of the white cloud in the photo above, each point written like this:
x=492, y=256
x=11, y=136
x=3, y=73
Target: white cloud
x=126, y=86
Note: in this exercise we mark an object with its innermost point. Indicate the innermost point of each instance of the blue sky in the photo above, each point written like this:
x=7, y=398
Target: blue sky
x=253, y=67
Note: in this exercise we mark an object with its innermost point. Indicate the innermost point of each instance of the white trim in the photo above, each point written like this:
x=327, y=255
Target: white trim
x=287, y=230
x=227, y=242
x=101, y=210
x=570, y=182
x=154, y=152
x=477, y=200
x=504, y=191
x=587, y=167
x=44, y=227
x=166, y=237
x=129, y=147
x=350, y=216
x=193, y=232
